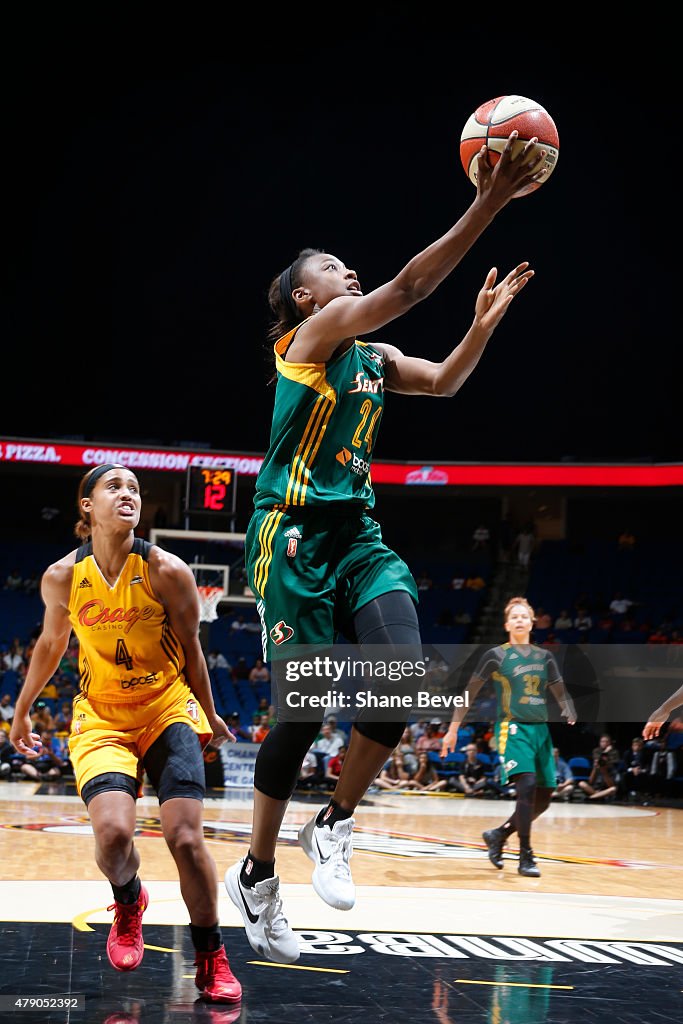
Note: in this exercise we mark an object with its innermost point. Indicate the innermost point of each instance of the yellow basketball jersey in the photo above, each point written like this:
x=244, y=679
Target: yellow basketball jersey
x=128, y=651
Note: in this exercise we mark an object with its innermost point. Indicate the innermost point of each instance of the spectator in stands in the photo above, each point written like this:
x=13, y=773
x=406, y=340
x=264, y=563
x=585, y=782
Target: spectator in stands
x=42, y=718
x=6, y=707
x=43, y=763
x=458, y=582
x=583, y=623
x=6, y=754
x=658, y=636
x=418, y=729
x=334, y=767
x=525, y=543
x=543, y=619
x=14, y=580
x=309, y=773
x=260, y=673
x=407, y=749
x=31, y=583
x=620, y=604
x=330, y=740
x=431, y=738
x=337, y=733
x=261, y=728
x=216, y=659
x=475, y=583
x=394, y=775
x=427, y=777
x=603, y=780
x=565, y=780
x=237, y=624
x=239, y=731
x=481, y=538
x=472, y=777
x=635, y=776
x=662, y=768
x=13, y=658
x=423, y=580
x=241, y=670
x=64, y=717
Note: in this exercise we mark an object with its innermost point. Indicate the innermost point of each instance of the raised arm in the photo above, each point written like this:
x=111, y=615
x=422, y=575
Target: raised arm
x=350, y=316
x=176, y=588
x=410, y=375
x=658, y=717
x=47, y=653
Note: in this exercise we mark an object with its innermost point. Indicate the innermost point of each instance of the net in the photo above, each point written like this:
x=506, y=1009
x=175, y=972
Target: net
x=208, y=602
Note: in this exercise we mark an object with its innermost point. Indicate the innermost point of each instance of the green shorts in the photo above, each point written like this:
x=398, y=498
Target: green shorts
x=526, y=747
x=312, y=569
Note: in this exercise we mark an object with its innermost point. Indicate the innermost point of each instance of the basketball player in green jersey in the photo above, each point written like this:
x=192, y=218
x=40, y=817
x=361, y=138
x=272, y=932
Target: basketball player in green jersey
x=315, y=557
x=522, y=673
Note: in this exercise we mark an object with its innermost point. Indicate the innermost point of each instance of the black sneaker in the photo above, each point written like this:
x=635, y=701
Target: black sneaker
x=495, y=841
x=527, y=864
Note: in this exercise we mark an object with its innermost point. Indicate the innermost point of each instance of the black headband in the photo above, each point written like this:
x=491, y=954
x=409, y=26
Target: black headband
x=95, y=476
x=286, y=291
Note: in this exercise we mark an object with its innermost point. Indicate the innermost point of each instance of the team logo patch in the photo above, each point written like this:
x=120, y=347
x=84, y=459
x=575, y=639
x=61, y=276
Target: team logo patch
x=291, y=547
x=512, y=728
x=281, y=632
x=192, y=708
x=509, y=765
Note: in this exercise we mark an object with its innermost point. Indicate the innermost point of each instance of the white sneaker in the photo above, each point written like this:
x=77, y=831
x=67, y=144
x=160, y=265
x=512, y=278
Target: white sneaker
x=267, y=927
x=331, y=849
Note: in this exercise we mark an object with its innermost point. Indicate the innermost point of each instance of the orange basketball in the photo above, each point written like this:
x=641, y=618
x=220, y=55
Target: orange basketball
x=491, y=124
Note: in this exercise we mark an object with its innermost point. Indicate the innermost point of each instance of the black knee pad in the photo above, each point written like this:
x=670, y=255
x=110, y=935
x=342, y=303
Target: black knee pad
x=175, y=764
x=386, y=733
x=280, y=757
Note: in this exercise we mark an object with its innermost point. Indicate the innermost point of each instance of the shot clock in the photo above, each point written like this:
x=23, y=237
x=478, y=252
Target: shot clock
x=211, y=491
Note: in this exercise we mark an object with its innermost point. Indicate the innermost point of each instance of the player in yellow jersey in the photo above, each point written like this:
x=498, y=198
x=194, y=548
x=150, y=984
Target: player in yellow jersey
x=144, y=705
x=315, y=556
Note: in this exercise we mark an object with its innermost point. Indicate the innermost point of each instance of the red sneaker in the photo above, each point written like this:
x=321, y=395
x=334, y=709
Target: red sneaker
x=125, y=947
x=215, y=980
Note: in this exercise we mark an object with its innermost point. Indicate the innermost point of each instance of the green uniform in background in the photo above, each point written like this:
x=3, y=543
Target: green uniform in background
x=521, y=676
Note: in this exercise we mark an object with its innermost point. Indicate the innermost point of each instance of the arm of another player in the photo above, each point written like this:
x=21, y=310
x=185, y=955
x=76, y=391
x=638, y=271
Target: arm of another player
x=176, y=588
x=47, y=653
x=450, y=739
x=561, y=695
x=410, y=375
x=658, y=717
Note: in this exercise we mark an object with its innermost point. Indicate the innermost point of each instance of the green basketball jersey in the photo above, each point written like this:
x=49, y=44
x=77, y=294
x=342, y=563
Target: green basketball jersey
x=324, y=429
x=521, y=677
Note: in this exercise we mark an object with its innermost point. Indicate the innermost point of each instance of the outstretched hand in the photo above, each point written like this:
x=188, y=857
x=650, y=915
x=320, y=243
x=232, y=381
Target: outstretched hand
x=512, y=173
x=494, y=299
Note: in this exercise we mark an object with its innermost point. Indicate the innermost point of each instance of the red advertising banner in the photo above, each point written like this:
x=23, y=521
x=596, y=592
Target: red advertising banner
x=409, y=474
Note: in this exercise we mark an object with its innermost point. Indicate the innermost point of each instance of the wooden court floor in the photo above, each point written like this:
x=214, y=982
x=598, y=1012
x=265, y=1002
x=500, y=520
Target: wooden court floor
x=462, y=941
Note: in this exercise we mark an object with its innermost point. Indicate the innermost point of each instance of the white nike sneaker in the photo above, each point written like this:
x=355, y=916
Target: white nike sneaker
x=267, y=927
x=331, y=849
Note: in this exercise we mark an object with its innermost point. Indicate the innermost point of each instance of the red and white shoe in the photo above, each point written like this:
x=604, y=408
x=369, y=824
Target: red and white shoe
x=215, y=980
x=125, y=946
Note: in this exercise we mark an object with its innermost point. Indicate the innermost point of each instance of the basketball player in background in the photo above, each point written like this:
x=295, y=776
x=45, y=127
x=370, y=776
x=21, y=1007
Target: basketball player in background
x=521, y=673
x=315, y=557
x=144, y=705
x=654, y=724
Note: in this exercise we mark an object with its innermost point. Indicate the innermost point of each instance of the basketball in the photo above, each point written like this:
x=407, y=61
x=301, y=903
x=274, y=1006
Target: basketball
x=491, y=124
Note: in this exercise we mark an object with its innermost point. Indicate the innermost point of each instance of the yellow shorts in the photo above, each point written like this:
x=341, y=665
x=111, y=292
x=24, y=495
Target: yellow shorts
x=115, y=737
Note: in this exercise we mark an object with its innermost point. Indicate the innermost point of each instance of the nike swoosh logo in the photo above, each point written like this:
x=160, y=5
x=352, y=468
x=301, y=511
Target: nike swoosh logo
x=323, y=860
x=252, y=917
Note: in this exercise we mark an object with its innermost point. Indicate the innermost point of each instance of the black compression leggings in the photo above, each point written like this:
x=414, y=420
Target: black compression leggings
x=532, y=801
x=389, y=620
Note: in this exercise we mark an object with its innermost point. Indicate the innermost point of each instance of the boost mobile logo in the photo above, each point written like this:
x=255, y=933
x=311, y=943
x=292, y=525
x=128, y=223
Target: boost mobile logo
x=358, y=466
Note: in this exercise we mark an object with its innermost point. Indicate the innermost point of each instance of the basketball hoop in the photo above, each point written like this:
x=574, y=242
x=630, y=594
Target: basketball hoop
x=208, y=602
